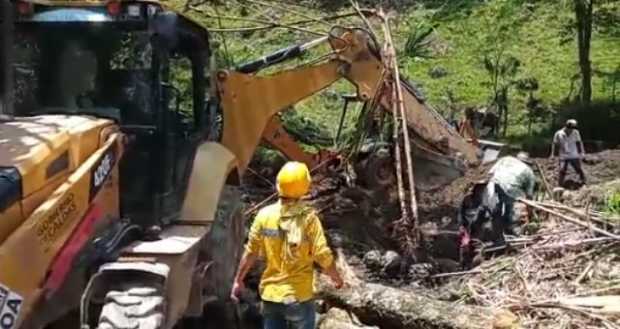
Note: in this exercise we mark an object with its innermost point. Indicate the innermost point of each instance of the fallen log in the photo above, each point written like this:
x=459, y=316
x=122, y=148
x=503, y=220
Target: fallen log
x=392, y=308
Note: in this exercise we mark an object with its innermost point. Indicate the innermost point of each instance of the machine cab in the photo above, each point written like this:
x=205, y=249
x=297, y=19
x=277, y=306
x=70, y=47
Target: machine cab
x=133, y=62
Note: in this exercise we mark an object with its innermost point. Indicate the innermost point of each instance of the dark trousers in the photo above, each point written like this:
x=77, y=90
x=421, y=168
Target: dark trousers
x=576, y=164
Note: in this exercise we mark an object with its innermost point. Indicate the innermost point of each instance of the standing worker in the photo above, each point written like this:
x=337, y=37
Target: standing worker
x=571, y=150
x=290, y=235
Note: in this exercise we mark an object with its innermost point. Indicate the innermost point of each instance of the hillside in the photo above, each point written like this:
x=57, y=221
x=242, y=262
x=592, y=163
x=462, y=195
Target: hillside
x=450, y=70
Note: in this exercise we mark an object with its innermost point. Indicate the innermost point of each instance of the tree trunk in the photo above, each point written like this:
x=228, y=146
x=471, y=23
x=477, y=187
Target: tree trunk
x=392, y=308
x=583, y=17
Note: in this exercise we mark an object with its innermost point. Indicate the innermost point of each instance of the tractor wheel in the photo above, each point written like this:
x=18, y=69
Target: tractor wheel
x=379, y=171
x=133, y=306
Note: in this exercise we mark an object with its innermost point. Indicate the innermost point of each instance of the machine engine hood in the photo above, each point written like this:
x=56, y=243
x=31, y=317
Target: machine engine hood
x=44, y=148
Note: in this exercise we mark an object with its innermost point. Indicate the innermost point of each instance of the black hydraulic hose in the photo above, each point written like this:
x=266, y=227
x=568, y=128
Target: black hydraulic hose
x=272, y=59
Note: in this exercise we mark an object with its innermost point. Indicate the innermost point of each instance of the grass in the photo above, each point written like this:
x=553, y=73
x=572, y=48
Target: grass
x=464, y=32
x=612, y=203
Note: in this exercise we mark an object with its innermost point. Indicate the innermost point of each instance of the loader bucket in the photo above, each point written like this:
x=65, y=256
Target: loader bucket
x=433, y=170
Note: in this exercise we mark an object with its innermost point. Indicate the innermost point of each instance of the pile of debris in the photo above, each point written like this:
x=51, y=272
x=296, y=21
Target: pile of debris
x=555, y=270
x=562, y=276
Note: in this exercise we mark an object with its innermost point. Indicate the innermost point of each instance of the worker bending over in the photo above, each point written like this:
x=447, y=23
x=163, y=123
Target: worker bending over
x=511, y=178
x=290, y=235
x=492, y=201
x=570, y=149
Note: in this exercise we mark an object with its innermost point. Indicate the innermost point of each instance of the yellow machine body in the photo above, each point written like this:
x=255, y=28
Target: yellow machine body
x=60, y=160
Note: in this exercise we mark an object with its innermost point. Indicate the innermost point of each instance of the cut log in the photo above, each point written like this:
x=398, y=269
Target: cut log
x=388, y=307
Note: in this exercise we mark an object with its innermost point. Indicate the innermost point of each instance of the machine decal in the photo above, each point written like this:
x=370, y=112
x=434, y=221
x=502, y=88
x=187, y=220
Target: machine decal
x=63, y=263
x=49, y=228
x=102, y=170
x=10, y=304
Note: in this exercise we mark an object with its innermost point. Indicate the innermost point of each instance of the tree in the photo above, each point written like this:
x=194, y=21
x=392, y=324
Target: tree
x=503, y=24
x=502, y=69
x=583, y=18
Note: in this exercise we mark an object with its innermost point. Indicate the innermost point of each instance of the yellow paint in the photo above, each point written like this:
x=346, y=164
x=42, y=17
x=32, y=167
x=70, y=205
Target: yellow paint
x=33, y=144
x=10, y=219
x=26, y=255
x=250, y=101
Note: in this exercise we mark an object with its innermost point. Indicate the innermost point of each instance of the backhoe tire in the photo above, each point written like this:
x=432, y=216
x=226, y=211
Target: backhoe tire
x=379, y=171
x=133, y=307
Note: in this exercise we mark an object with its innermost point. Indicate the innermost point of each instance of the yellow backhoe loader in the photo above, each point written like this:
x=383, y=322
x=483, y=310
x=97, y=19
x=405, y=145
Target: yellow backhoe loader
x=119, y=199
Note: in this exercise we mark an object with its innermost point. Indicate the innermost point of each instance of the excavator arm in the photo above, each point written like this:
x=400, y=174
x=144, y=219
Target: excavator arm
x=276, y=136
x=250, y=101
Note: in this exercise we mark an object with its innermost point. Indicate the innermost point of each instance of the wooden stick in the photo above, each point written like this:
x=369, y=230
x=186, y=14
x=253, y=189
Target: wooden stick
x=403, y=114
x=273, y=195
x=274, y=5
x=588, y=218
x=397, y=154
x=573, y=244
x=544, y=179
x=253, y=172
x=260, y=21
x=568, y=219
x=576, y=212
x=356, y=6
x=451, y=274
x=584, y=273
x=267, y=24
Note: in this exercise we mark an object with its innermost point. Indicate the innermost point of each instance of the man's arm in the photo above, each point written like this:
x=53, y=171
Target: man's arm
x=552, y=150
x=246, y=263
x=252, y=249
x=321, y=252
x=553, y=144
x=580, y=147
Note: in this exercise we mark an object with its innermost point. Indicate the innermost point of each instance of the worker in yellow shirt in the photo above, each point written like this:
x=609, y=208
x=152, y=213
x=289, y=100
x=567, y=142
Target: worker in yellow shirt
x=290, y=236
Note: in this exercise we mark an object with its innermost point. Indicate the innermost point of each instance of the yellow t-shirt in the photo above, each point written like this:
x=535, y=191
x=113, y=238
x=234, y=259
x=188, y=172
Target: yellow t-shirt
x=291, y=238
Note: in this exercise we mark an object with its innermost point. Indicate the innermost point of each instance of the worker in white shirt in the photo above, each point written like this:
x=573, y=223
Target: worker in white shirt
x=570, y=148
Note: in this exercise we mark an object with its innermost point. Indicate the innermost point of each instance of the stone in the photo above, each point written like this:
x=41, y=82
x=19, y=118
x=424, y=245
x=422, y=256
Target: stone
x=372, y=259
x=391, y=262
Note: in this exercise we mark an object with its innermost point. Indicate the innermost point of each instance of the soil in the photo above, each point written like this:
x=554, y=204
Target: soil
x=358, y=221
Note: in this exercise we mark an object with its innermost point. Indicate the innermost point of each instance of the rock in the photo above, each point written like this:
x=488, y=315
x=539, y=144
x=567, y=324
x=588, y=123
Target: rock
x=337, y=318
x=592, y=159
x=447, y=265
x=420, y=271
x=372, y=259
x=391, y=262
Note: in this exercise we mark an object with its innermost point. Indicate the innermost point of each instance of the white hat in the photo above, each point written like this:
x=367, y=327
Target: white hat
x=571, y=123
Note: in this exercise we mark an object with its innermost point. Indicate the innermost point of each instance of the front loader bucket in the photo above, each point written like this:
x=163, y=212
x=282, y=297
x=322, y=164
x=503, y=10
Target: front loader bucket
x=433, y=170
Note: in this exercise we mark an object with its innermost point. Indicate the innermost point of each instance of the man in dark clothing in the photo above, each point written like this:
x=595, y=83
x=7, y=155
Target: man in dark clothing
x=473, y=214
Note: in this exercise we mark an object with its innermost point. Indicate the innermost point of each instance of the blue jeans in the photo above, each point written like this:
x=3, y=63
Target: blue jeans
x=289, y=316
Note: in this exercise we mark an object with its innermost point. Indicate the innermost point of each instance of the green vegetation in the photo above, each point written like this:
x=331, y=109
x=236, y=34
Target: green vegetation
x=612, y=203
x=460, y=52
